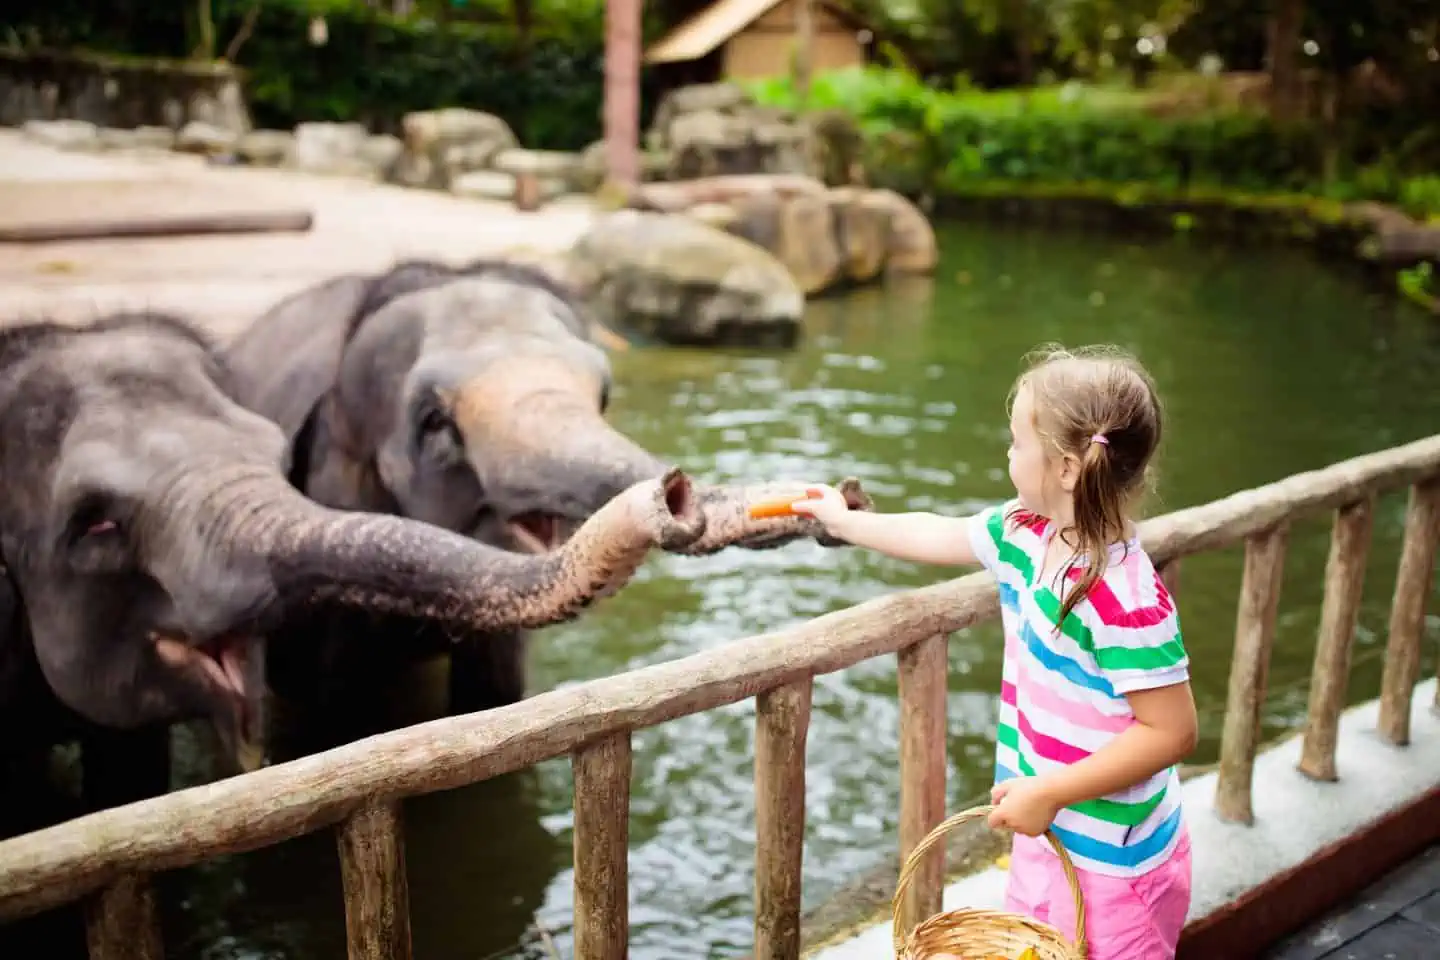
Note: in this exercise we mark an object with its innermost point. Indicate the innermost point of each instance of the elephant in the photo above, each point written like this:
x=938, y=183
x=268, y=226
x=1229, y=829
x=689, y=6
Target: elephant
x=468, y=396
x=149, y=537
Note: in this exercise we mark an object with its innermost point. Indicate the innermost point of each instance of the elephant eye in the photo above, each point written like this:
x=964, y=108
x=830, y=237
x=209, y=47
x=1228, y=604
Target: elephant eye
x=433, y=421
x=436, y=435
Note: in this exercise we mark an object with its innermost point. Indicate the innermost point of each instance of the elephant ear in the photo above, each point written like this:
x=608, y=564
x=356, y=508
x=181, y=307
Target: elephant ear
x=13, y=654
x=289, y=358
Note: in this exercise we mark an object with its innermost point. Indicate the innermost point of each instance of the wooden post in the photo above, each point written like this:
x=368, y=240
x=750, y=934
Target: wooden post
x=175, y=225
x=922, y=683
x=622, y=91
x=782, y=724
x=377, y=892
x=121, y=922
x=1407, y=611
x=602, y=848
x=527, y=191
x=1249, y=670
x=1344, y=581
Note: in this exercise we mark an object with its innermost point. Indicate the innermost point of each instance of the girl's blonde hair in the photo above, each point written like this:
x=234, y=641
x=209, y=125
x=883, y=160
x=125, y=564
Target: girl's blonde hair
x=1099, y=405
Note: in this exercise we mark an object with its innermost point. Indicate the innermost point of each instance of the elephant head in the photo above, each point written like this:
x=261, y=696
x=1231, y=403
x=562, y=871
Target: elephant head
x=149, y=533
x=470, y=397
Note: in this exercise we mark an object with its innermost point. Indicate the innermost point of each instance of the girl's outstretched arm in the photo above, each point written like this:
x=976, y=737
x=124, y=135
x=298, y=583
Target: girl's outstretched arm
x=918, y=537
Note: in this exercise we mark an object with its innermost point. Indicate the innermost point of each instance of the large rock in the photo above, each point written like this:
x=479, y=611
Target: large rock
x=713, y=129
x=265, y=148
x=806, y=243
x=684, y=194
x=441, y=145
x=139, y=139
x=864, y=223
x=64, y=134
x=329, y=148
x=677, y=280
x=557, y=164
x=911, y=248
x=826, y=237
x=207, y=139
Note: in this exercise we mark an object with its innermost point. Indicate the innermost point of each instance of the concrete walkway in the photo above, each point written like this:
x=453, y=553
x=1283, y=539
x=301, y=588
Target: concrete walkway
x=1396, y=917
x=1295, y=817
x=225, y=280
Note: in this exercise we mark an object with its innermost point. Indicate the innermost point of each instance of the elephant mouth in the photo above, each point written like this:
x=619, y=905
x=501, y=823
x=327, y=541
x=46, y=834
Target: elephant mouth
x=223, y=664
x=539, y=532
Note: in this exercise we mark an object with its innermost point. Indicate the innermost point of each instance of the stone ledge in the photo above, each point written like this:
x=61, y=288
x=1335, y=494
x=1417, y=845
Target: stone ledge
x=1296, y=819
x=120, y=92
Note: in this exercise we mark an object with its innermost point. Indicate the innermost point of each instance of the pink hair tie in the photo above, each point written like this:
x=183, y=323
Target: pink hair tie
x=1100, y=438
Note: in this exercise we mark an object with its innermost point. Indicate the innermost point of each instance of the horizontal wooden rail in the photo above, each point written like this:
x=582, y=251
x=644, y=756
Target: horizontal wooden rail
x=73, y=859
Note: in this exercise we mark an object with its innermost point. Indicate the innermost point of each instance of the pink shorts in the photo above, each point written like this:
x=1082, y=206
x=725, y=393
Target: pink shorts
x=1126, y=918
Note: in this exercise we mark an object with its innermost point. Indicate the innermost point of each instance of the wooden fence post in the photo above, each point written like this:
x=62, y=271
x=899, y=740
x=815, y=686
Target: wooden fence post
x=1344, y=582
x=377, y=891
x=1407, y=611
x=782, y=725
x=121, y=922
x=922, y=683
x=1249, y=670
x=602, y=848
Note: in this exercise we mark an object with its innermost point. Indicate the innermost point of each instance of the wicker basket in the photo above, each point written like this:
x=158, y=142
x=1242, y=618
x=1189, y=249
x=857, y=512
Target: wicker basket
x=978, y=934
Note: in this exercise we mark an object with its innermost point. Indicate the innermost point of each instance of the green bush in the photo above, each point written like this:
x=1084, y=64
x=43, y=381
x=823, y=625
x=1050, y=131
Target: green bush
x=375, y=69
x=1420, y=197
x=1066, y=133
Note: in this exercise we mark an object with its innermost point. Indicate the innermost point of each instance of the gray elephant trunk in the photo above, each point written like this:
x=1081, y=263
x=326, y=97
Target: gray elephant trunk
x=288, y=552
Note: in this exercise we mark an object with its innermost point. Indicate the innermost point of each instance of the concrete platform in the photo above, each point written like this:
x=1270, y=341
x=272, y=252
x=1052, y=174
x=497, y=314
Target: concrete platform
x=225, y=280
x=1295, y=819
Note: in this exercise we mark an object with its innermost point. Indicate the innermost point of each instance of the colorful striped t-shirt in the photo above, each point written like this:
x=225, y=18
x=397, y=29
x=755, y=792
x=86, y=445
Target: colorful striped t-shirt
x=1063, y=694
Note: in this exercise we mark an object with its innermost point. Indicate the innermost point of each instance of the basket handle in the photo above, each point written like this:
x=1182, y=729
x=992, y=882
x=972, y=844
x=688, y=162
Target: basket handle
x=912, y=863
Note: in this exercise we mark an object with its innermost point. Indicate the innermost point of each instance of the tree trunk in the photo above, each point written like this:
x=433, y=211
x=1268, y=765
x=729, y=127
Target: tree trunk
x=622, y=90
x=804, y=48
x=1282, y=58
x=1024, y=56
x=207, y=31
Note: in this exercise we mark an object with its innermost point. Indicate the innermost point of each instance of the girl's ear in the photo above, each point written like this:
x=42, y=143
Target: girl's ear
x=1069, y=472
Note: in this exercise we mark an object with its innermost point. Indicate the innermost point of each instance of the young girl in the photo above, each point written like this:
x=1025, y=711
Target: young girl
x=1095, y=702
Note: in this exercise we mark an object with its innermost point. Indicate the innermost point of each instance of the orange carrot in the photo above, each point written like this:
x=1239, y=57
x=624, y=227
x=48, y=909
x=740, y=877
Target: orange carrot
x=780, y=506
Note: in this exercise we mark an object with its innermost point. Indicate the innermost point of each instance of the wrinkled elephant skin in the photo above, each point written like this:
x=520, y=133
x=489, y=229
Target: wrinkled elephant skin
x=469, y=397
x=150, y=536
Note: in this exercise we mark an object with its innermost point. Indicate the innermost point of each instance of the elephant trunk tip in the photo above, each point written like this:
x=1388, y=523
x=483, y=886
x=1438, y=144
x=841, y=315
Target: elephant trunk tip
x=683, y=519
x=855, y=496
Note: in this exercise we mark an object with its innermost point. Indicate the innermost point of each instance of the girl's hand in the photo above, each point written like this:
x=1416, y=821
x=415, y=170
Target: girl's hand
x=828, y=508
x=1024, y=805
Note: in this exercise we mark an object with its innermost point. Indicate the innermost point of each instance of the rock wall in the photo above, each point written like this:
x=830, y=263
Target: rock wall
x=717, y=129
x=119, y=93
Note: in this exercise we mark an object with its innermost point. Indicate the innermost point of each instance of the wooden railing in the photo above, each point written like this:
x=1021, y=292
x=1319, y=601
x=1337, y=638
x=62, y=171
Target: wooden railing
x=107, y=858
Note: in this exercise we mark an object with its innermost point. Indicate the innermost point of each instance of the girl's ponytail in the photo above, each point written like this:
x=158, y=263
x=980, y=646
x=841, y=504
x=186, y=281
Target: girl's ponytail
x=1099, y=520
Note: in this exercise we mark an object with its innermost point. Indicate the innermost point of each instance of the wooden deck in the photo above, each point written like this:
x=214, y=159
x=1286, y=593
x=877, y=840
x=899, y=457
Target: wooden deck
x=1395, y=918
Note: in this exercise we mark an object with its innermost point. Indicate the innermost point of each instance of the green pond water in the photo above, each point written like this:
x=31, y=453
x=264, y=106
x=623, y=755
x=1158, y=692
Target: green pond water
x=1270, y=364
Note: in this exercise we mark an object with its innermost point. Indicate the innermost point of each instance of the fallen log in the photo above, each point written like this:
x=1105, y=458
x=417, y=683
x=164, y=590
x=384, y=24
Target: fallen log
x=261, y=221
